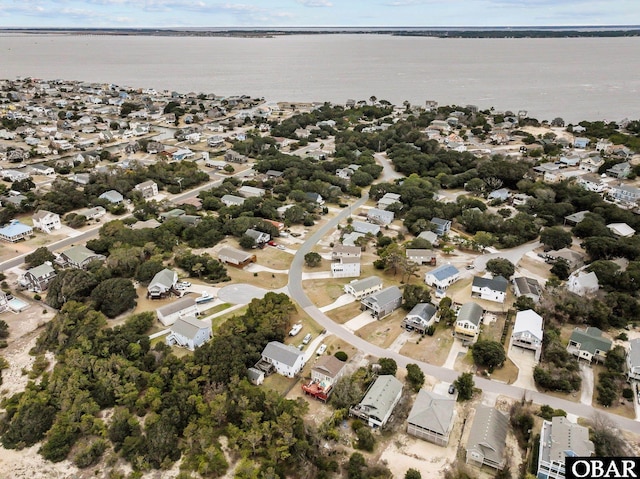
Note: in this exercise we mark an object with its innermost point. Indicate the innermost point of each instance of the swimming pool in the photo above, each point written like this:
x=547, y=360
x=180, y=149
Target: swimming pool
x=16, y=305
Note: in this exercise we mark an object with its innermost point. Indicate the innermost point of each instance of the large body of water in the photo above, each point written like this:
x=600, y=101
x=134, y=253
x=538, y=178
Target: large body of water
x=575, y=78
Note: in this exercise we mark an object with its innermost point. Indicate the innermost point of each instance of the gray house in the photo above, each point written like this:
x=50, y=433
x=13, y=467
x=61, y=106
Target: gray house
x=379, y=401
x=382, y=303
x=431, y=417
x=380, y=217
x=442, y=227
x=112, y=196
x=420, y=317
x=183, y=307
x=529, y=287
x=560, y=439
x=589, y=344
x=162, y=284
x=633, y=360
x=259, y=237
x=189, y=333
x=487, y=438
x=78, y=257
x=37, y=279
x=363, y=287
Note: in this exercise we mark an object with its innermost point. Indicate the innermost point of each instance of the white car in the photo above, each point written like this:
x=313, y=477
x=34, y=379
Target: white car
x=280, y=246
x=321, y=349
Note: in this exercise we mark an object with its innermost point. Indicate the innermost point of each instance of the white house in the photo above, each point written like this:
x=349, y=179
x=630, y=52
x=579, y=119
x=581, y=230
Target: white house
x=181, y=308
x=365, y=228
x=162, y=284
x=38, y=278
x=112, y=196
x=148, y=189
x=260, y=238
x=442, y=277
x=46, y=221
x=251, y=191
x=494, y=289
x=232, y=200
x=380, y=217
x=621, y=229
x=421, y=316
x=286, y=360
x=346, y=267
x=363, y=287
x=527, y=332
x=468, y=321
x=633, y=360
x=189, y=332
x=421, y=256
x=342, y=251
x=582, y=283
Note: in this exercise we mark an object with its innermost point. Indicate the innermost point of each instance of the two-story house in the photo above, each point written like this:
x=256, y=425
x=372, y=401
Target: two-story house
x=78, y=257
x=468, y=321
x=441, y=226
x=148, y=189
x=421, y=316
x=494, y=289
x=324, y=374
x=559, y=439
x=633, y=360
x=189, y=332
x=380, y=217
x=363, y=287
x=589, y=344
x=527, y=332
x=382, y=303
x=379, y=401
x=286, y=360
x=162, y=284
x=46, y=221
x=442, y=277
x=38, y=278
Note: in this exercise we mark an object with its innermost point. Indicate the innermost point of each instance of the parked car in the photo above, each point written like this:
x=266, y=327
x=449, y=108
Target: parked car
x=452, y=389
x=280, y=246
x=306, y=339
x=321, y=349
x=272, y=243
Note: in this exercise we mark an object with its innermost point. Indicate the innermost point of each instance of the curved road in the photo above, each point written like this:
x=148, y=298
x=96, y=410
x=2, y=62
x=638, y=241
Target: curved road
x=297, y=293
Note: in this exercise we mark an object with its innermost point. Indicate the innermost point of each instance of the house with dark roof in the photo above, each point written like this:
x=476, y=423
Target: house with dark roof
x=379, y=401
x=363, y=287
x=189, y=332
x=633, y=360
x=432, y=417
x=382, y=303
x=37, y=279
x=442, y=277
x=589, y=344
x=421, y=316
x=442, y=226
x=286, y=360
x=559, y=439
x=468, y=321
x=78, y=257
x=324, y=374
x=162, y=284
x=494, y=289
x=527, y=332
x=487, y=439
x=529, y=287
x=181, y=308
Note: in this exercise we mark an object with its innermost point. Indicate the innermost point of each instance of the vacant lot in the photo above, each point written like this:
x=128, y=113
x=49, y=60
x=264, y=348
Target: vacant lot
x=430, y=349
x=322, y=292
x=383, y=332
x=345, y=313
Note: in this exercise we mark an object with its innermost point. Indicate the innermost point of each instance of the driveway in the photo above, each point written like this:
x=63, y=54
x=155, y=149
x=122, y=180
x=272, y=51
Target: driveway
x=388, y=172
x=586, y=392
x=457, y=349
x=240, y=293
x=359, y=321
x=525, y=361
x=341, y=301
x=513, y=254
x=254, y=268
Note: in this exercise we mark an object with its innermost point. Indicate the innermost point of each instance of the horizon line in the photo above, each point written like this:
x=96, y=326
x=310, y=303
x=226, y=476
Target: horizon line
x=329, y=27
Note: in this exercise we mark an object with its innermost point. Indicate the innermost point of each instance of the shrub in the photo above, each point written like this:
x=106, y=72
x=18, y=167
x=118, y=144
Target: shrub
x=430, y=330
x=627, y=393
x=37, y=297
x=366, y=441
x=341, y=355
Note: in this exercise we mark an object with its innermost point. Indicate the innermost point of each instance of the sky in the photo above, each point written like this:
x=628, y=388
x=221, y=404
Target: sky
x=315, y=13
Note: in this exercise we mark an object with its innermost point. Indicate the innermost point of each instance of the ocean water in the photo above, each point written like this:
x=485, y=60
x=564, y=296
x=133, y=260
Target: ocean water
x=574, y=78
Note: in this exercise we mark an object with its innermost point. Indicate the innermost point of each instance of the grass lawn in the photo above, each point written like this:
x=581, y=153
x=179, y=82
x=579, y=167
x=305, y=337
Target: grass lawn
x=322, y=292
x=274, y=258
x=217, y=322
x=384, y=332
x=493, y=330
x=507, y=373
x=344, y=313
x=262, y=279
x=279, y=384
x=430, y=349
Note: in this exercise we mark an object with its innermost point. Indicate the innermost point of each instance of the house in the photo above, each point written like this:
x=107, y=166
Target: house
x=620, y=170
x=4, y=303
x=379, y=401
x=92, y=213
x=189, y=332
x=625, y=193
x=591, y=163
x=432, y=417
x=621, y=229
x=174, y=213
x=42, y=170
x=112, y=196
x=589, y=344
x=421, y=316
x=442, y=277
x=421, y=256
x=81, y=178
x=529, y=287
x=494, y=289
x=363, y=287
x=520, y=199
x=235, y=257
x=46, y=221
x=284, y=359
x=487, y=438
x=581, y=142
x=15, y=231
x=633, y=360
x=468, y=321
x=429, y=236
x=251, y=192
x=324, y=374
x=255, y=376
x=14, y=175
x=231, y=200
x=575, y=218
x=162, y=284
x=148, y=189
x=365, y=228
x=380, y=217
x=442, y=227
x=37, y=279
x=181, y=308
x=232, y=156
x=583, y=284
x=274, y=174
x=382, y=303
x=592, y=183
x=259, y=237
x=559, y=439
x=78, y=257
x=341, y=251
x=503, y=194
x=387, y=200
x=346, y=267
x=573, y=258
x=314, y=198
x=528, y=332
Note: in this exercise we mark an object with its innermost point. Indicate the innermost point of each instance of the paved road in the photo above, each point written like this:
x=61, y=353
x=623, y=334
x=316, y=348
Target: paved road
x=513, y=254
x=443, y=374
x=388, y=172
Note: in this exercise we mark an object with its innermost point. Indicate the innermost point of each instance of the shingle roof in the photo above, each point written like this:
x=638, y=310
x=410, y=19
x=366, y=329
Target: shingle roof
x=634, y=352
x=527, y=285
x=432, y=411
x=175, y=306
x=282, y=353
x=495, y=284
x=489, y=433
x=471, y=312
x=385, y=296
x=591, y=339
x=329, y=366
x=42, y=270
x=381, y=394
x=78, y=254
x=366, y=283
x=443, y=272
x=189, y=326
x=166, y=278
x=568, y=436
x=423, y=310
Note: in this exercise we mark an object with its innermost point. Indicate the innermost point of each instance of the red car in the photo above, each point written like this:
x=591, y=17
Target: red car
x=272, y=243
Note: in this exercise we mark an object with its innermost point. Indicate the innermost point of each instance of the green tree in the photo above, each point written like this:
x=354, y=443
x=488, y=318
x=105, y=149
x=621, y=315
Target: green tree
x=69, y=285
x=147, y=270
x=247, y=242
x=488, y=353
x=412, y=474
x=464, y=384
x=414, y=294
x=356, y=466
x=312, y=259
x=415, y=376
x=114, y=296
x=4, y=329
x=366, y=441
x=38, y=257
x=346, y=393
x=561, y=269
x=524, y=302
x=387, y=366
x=555, y=238
x=501, y=267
